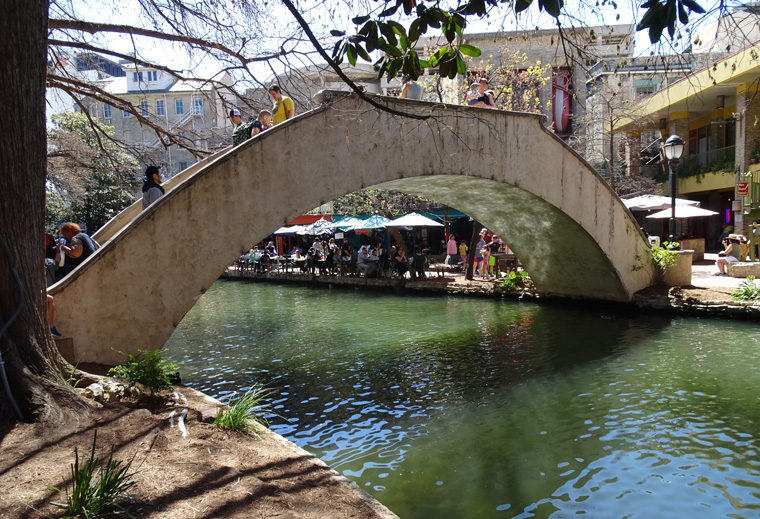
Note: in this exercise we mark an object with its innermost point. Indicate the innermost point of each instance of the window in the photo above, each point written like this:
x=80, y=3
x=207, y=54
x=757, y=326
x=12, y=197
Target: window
x=144, y=107
x=182, y=166
x=126, y=114
x=106, y=111
x=160, y=107
x=196, y=124
x=137, y=77
x=198, y=107
x=152, y=75
x=178, y=107
x=645, y=87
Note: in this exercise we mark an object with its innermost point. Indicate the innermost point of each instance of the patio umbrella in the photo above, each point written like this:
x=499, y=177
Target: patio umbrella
x=345, y=223
x=373, y=222
x=293, y=229
x=654, y=202
x=683, y=211
x=414, y=220
x=318, y=228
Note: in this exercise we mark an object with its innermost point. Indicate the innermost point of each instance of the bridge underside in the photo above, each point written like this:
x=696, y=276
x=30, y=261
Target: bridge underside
x=561, y=257
x=571, y=232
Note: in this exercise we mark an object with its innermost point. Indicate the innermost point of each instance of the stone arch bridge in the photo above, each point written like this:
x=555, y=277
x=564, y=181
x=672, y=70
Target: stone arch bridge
x=569, y=229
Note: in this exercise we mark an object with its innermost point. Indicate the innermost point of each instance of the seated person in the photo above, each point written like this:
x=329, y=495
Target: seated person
x=398, y=261
x=732, y=253
x=362, y=260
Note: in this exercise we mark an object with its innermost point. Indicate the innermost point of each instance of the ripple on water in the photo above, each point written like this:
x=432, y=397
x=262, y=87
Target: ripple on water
x=452, y=408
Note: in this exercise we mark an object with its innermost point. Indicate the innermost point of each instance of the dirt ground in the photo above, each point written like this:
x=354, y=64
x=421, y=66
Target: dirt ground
x=691, y=293
x=209, y=473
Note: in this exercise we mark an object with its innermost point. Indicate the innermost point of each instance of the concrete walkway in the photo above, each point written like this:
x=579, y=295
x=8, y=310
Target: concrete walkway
x=701, y=275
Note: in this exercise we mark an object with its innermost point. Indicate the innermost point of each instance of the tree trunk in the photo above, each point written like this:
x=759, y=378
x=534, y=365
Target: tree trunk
x=612, y=153
x=468, y=275
x=27, y=348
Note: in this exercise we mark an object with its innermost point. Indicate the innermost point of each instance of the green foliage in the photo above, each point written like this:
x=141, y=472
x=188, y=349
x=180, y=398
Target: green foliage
x=94, y=492
x=245, y=414
x=661, y=14
x=148, y=369
x=88, y=177
x=387, y=203
x=747, y=291
x=514, y=280
x=70, y=380
x=380, y=30
x=663, y=257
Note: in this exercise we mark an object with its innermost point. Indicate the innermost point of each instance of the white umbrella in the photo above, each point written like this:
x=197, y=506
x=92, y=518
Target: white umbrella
x=319, y=227
x=414, y=220
x=683, y=211
x=654, y=202
x=373, y=222
x=293, y=229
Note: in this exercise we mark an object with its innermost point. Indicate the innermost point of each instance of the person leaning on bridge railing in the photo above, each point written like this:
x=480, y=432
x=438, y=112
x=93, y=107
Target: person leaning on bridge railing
x=243, y=132
x=77, y=247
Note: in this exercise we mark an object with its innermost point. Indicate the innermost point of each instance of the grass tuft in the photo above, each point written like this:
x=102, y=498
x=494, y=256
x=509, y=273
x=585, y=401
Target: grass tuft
x=246, y=413
x=95, y=492
x=747, y=291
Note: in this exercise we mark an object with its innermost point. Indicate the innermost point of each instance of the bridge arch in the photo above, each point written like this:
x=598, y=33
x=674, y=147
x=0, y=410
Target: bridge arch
x=567, y=226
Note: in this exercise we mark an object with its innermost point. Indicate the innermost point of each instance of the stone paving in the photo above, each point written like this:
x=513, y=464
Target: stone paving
x=701, y=275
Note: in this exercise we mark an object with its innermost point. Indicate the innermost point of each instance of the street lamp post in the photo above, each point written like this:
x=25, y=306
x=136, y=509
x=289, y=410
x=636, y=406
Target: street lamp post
x=673, y=151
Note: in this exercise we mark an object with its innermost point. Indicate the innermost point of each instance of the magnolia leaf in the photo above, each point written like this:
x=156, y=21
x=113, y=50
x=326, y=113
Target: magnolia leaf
x=469, y=50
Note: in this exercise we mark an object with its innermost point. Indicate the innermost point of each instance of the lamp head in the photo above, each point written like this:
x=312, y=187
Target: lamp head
x=674, y=147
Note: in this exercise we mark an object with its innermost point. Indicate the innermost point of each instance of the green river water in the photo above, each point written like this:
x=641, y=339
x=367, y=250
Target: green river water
x=452, y=407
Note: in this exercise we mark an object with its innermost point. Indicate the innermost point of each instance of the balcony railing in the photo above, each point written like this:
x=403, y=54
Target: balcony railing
x=720, y=159
x=753, y=199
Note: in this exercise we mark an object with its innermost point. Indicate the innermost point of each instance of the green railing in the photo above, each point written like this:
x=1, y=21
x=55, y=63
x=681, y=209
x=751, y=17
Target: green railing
x=753, y=199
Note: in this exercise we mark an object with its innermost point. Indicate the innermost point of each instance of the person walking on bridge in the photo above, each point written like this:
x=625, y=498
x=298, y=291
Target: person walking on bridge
x=411, y=89
x=152, y=189
x=283, y=108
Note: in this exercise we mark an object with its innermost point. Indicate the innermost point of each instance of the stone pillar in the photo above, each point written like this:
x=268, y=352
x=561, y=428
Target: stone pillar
x=747, y=132
x=633, y=147
x=680, y=126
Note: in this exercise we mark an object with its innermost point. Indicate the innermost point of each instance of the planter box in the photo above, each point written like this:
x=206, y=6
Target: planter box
x=680, y=273
x=695, y=244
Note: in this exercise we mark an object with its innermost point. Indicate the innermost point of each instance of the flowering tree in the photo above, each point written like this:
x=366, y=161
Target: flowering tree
x=515, y=82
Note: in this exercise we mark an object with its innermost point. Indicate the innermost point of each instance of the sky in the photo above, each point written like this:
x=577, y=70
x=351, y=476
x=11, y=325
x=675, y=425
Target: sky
x=128, y=12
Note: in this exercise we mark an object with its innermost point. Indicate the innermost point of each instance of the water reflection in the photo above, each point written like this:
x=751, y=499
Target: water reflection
x=451, y=407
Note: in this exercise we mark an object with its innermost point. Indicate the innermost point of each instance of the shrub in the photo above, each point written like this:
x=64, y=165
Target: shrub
x=748, y=290
x=664, y=257
x=246, y=413
x=148, y=369
x=515, y=279
x=95, y=493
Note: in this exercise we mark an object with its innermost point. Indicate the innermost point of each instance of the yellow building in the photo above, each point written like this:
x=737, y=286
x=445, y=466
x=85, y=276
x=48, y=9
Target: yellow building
x=716, y=111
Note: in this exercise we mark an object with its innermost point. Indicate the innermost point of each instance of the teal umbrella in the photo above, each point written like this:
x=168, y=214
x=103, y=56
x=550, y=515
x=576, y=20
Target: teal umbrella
x=373, y=222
